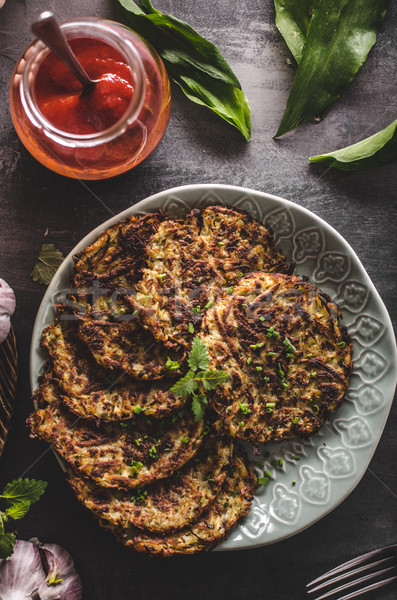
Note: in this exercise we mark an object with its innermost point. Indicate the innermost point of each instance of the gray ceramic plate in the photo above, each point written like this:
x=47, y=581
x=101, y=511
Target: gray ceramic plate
x=308, y=478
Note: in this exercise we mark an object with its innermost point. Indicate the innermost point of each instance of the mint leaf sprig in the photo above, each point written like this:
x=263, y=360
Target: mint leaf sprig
x=199, y=379
x=19, y=495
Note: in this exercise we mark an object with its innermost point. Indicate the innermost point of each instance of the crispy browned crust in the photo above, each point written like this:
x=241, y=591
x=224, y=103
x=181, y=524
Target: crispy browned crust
x=123, y=344
x=91, y=392
x=192, y=261
x=104, y=453
x=117, y=255
x=273, y=393
x=231, y=505
x=169, y=504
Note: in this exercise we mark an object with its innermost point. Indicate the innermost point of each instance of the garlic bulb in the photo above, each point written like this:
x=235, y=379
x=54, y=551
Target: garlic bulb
x=39, y=573
x=7, y=307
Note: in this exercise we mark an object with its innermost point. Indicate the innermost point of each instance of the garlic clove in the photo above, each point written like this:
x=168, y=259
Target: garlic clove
x=7, y=307
x=22, y=573
x=62, y=581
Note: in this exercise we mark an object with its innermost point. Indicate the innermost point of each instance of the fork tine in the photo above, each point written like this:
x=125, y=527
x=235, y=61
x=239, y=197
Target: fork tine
x=345, y=574
x=351, y=563
x=364, y=590
x=360, y=591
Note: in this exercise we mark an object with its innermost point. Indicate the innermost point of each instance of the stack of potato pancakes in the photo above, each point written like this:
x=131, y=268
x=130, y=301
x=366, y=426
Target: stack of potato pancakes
x=275, y=362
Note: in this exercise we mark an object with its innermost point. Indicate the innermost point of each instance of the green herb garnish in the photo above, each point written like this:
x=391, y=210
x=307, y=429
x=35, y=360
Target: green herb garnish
x=18, y=495
x=199, y=379
x=172, y=365
x=290, y=348
x=139, y=496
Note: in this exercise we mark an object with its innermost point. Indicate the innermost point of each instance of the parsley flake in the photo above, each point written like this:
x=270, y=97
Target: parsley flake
x=172, y=365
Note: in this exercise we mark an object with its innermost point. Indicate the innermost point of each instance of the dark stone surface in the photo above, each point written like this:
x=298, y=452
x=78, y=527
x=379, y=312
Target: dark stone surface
x=200, y=148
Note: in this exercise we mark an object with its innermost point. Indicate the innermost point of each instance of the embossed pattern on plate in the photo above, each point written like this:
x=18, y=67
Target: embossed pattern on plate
x=307, y=478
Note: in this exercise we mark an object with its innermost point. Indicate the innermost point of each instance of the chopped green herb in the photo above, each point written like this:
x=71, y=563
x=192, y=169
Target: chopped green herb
x=295, y=457
x=199, y=280
x=266, y=379
x=316, y=407
x=185, y=440
x=230, y=290
x=249, y=360
x=272, y=353
x=268, y=474
x=309, y=355
x=123, y=425
x=139, y=496
x=262, y=318
x=270, y=404
x=221, y=243
x=122, y=310
x=136, y=466
x=243, y=407
x=196, y=309
x=191, y=328
x=235, y=494
x=134, y=313
x=293, y=482
x=263, y=480
x=241, y=424
x=272, y=333
x=153, y=452
x=255, y=346
x=342, y=344
x=138, y=409
x=172, y=365
x=289, y=346
x=313, y=374
x=296, y=420
x=209, y=304
x=240, y=274
x=285, y=384
x=209, y=477
x=162, y=276
x=259, y=368
x=280, y=371
x=138, y=441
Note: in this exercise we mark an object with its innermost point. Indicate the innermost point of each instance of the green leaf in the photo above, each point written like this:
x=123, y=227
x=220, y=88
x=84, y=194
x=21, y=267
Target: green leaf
x=7, y=543
x=371, y=152
x=292, y=21
x=340, y=35
x=193, y=62
x=199, y=402
x=186, y=385
x=198, y=356
x=211, y=379
x=18, y=510
x=48, y=262
x=23, y=490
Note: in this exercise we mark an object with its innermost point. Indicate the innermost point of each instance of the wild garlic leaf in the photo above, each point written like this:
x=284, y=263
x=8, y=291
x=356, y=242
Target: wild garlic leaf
x=7, y=543
x=23, y=490
x=18, y=510
x=185, y=385
x=47, y=264
x=198, y=356
x=211, y=379
x=371, y=152
x=292, y=21
x=194, y=63
x=199, y=403
x=340, y=35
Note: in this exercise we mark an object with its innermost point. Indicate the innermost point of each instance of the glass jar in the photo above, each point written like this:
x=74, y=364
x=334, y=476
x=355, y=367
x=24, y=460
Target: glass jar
x=120, y=146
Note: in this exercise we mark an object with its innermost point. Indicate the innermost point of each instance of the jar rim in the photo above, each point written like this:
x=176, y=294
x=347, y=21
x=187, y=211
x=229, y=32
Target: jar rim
x=105, y=30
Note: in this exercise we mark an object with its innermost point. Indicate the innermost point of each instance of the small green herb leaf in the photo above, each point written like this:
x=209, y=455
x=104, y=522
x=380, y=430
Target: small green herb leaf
x=18, y=510
x=199, y=402
x=185, y=385
x=7, y=542
x=211, y=379
x=21, y=490
x=47, y=264
x=198, y=357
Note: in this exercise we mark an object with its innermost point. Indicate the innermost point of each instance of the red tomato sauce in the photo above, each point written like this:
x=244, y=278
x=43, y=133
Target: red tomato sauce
x=58, y=93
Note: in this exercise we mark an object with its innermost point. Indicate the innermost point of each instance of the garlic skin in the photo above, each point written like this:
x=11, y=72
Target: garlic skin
x=7, y=307
x=22, y=573
x=35, y=572
x=60, y=567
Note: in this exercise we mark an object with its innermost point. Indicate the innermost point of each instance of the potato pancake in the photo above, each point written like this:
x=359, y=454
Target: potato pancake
x=231, y=505
x=166, y=505
x=288, y=358
x=117, y=255
x=192, y=261
x=91, y=392
x=115, y=455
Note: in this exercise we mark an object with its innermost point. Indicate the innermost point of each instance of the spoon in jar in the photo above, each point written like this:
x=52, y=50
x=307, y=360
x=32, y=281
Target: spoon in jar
x=46, y=28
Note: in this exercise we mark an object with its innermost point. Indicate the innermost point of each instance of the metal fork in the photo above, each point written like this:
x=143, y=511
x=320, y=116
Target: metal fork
x=382, y=567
